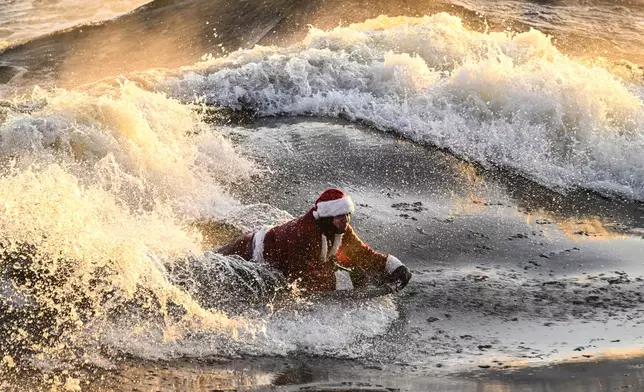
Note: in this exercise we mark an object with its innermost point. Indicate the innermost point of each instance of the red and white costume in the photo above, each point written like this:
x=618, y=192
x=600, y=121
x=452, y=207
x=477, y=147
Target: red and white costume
x=303, y=253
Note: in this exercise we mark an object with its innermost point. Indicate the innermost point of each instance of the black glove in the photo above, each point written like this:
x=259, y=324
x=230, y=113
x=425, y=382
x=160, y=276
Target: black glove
x=399, y=278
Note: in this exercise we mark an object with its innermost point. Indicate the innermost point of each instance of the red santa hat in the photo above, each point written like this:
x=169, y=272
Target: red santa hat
x=332, y=202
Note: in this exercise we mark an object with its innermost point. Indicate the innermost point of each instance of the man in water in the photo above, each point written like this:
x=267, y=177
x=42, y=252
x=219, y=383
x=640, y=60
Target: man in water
x=320, y=249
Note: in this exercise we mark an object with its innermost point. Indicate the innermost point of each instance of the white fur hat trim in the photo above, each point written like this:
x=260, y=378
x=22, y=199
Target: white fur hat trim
x=335, y=207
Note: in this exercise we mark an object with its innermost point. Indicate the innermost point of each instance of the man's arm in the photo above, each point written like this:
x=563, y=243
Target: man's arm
x=358, y=254
x=355, y=253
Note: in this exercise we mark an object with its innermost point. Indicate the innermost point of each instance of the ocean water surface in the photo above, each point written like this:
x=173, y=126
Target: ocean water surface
x=497, y=148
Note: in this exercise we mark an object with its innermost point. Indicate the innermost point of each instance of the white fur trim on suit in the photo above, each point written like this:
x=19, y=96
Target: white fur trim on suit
x=258, y=245
x=335, y=207
x=343, y=280
x=392, y=264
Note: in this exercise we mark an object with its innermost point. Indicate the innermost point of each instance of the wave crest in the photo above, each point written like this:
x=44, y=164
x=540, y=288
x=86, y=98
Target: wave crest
x=504, y=99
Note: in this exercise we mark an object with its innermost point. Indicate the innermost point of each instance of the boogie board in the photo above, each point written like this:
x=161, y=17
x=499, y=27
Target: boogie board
x=352, y=295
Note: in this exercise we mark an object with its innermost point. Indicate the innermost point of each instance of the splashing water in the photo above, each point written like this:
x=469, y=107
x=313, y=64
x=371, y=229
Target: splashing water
x=97, y=196
x=100, y=252
x=504, y=99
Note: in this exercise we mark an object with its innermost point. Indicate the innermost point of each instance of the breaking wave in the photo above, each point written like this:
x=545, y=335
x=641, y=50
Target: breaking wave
x=500, y=99
x=112, y=200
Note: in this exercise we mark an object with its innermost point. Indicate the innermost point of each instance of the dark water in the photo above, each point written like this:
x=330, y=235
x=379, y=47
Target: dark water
x=175, y=33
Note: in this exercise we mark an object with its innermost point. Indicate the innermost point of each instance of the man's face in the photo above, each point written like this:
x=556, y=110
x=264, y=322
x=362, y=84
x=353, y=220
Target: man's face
x=341, y=222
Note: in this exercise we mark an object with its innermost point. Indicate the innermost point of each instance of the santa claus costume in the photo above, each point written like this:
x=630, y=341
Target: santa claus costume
x=307, y=253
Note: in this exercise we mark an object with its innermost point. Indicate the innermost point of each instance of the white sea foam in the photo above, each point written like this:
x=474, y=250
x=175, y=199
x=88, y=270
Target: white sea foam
x=141, y=147
x=105, y=184
x=505, y=99
x=339, y=329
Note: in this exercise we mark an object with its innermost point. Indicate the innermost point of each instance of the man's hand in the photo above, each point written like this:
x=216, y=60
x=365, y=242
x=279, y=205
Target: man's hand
x=400, y=277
